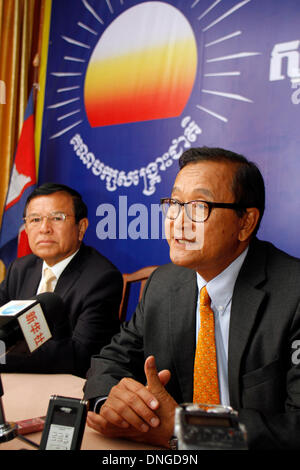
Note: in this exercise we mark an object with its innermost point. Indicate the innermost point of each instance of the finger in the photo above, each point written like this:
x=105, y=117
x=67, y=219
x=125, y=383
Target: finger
x=94, y=421
x=127, y=401
x=164, y=376
x=100, y=424
x=155, y=385
x=121, y=413
x=143, y=393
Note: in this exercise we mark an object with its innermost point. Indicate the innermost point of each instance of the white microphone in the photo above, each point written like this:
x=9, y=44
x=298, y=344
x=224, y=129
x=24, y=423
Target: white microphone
x=32, y=319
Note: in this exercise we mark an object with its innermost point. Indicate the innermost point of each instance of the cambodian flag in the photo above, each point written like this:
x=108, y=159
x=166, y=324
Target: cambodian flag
x=13, y=239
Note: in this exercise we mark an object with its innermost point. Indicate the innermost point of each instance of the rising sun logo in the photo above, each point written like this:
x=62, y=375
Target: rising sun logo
x=145, y=63
x=127, y=71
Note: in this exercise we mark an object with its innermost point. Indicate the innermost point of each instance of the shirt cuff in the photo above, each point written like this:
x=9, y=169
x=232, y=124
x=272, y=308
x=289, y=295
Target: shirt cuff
x=98, y=403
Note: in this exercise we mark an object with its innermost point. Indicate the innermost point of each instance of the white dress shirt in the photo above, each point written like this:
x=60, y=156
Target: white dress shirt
x=57, y=269
x=220, y=291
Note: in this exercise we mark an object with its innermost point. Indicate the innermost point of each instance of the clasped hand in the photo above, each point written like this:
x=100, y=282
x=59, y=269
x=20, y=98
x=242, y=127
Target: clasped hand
x=138, y=412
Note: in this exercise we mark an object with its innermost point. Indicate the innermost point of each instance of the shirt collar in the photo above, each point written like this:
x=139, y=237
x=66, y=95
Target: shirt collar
x=220, y=288
x=58, y=268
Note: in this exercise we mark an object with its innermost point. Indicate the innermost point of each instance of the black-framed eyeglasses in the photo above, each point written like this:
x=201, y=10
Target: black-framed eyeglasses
x=197, y=211
x=55, y=218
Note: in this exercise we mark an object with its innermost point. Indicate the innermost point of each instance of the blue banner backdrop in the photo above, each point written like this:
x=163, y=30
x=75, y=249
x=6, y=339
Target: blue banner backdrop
x=131, y=84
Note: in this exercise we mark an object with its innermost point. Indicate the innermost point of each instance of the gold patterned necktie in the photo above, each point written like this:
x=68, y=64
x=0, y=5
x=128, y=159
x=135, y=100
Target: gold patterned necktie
x=47, y=281
x=206, y=386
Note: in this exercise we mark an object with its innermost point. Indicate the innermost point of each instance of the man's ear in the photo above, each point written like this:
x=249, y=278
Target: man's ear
x=248, y=223
x=83, y=225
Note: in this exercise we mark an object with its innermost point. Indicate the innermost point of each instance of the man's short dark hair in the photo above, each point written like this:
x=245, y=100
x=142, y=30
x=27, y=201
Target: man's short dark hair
x=80, y=208
x=248, y=185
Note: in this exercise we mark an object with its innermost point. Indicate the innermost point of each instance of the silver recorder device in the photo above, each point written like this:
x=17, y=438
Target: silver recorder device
x=208, y=427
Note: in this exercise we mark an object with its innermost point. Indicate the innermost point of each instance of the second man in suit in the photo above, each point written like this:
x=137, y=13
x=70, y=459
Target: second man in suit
x=89, y=284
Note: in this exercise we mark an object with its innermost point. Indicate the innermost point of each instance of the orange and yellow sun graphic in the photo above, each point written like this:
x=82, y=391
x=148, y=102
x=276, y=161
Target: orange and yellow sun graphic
x=142, y=76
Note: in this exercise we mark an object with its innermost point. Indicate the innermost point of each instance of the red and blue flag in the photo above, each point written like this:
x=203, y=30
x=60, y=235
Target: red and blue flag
x=13, y=239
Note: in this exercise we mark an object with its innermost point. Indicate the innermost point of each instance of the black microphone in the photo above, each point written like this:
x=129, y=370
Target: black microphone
x=55, y=313
x=37, y=320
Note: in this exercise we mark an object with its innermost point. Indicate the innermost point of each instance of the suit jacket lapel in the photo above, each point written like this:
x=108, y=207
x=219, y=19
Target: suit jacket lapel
x=31, y=280
x=182, y=317
x=246, y=300
x=70, y=275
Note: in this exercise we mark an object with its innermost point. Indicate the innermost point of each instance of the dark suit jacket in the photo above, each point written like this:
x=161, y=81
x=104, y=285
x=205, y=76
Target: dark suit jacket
x=91, y=288
x=264, y=384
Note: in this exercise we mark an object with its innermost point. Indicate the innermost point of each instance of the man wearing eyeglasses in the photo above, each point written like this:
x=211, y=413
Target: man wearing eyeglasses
x=89, y=284
x=253, y=288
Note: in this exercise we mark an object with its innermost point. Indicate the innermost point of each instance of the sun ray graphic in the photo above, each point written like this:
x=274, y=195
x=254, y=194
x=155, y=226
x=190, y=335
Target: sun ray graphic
x=143, y=64
x=220, y=59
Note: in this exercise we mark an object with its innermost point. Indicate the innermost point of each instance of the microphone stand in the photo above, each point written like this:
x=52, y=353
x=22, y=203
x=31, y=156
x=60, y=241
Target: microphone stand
x=7, y=431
